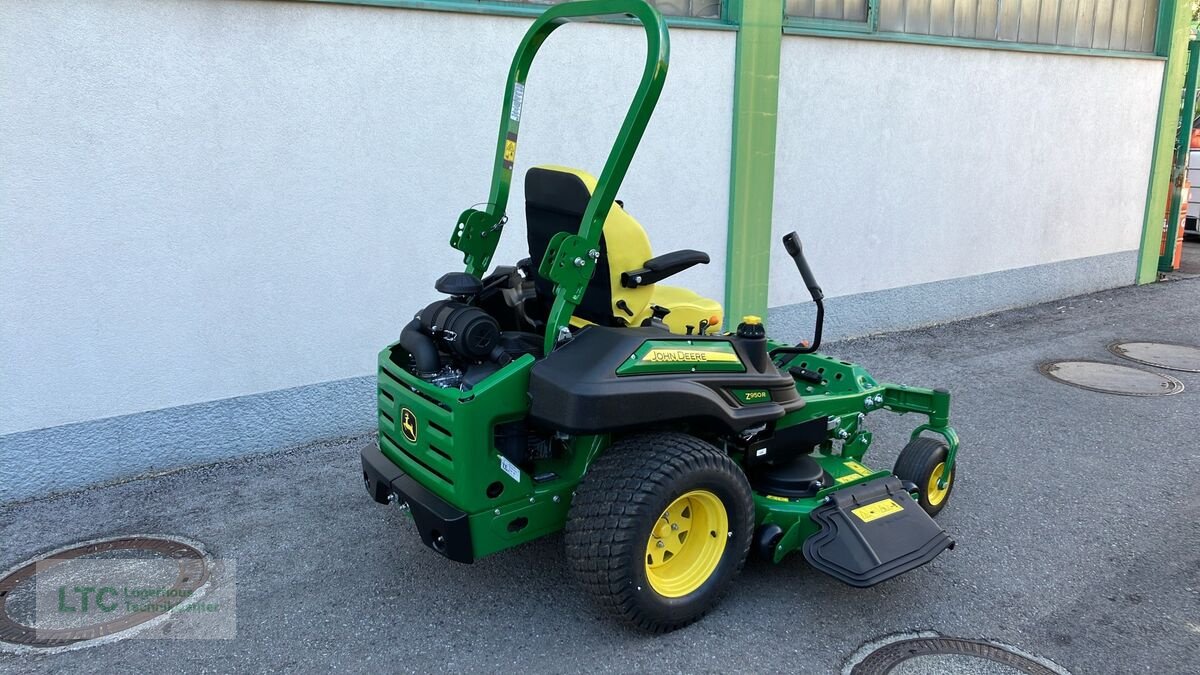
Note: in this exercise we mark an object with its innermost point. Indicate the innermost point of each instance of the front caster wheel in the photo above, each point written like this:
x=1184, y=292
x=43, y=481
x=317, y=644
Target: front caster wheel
x=923, y=461
x=659, y=526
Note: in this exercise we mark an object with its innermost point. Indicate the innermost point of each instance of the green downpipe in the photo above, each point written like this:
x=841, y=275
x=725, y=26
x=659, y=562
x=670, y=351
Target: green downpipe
x=1172, y=42
x=752, y=169
x=1183, y=144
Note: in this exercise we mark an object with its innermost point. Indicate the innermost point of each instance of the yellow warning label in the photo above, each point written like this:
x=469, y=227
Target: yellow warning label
x=777, y=498
x=858, y=468
x=847, y=478
x=688, y=355
x=876, y=510
x=510, y=150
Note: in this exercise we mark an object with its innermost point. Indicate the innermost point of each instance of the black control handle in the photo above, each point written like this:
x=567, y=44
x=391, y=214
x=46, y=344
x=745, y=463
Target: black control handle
x=791, y=242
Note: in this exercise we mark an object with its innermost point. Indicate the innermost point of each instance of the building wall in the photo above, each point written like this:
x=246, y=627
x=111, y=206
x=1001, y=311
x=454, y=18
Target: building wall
x=206, y=199
x=211, y=199
x=902, y=165
x=213, y=213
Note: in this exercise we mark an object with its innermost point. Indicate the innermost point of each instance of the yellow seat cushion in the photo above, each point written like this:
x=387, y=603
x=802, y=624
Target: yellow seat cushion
x=627, y=248
x=688, y=308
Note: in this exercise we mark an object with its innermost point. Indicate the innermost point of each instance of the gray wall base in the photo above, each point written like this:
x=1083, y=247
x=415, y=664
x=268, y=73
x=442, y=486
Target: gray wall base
x=937, y=302
x=45, y=461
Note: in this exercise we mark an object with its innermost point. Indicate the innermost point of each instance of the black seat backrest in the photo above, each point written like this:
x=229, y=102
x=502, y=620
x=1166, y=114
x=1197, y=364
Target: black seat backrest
x=555, y=202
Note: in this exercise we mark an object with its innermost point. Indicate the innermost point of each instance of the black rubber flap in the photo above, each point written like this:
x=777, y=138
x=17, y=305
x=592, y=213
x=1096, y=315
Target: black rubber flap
x=872, y=532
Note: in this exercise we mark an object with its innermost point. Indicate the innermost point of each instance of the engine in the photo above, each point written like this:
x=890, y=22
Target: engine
x=455, y=342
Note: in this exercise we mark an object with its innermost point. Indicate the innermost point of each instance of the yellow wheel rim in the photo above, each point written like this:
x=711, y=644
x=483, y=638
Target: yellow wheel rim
x=934, y=494
x=686, y=544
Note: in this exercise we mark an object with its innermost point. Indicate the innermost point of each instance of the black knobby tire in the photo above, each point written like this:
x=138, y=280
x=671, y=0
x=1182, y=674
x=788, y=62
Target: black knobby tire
x=620, y=501
x=917, y=463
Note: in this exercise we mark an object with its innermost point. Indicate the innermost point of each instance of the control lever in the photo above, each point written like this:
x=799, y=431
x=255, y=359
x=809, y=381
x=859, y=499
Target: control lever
x=791, y=242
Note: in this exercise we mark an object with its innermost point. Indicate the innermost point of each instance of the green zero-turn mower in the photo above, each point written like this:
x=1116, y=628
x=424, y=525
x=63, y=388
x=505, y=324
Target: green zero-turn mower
x=575, y=392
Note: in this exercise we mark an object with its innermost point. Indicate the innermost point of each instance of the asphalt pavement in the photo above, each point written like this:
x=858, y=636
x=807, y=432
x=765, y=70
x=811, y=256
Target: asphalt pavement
x=1076, y=513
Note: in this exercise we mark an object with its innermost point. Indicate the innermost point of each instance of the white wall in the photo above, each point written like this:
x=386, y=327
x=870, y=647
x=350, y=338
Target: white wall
x=202, y=199
x=902, y=164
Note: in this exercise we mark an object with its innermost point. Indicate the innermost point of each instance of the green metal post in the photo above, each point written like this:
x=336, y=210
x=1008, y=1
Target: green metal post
x=752, y=171
x=1178, y=199
x=1173, y=27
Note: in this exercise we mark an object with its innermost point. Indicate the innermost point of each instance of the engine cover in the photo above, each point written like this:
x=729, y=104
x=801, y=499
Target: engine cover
x=586, y=386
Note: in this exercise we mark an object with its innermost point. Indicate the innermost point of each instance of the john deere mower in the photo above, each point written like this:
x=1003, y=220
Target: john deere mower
x=574, y=391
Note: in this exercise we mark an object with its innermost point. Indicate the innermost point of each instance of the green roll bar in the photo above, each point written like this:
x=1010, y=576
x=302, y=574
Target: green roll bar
x=570, y=259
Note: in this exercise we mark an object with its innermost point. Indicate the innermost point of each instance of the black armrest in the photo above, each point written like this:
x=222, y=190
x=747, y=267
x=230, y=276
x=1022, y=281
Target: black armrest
x=656, y=269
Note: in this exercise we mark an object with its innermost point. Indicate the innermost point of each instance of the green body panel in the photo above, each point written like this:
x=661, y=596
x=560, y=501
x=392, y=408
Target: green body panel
x=752, y=165
x=655, y=357
x=455, y=455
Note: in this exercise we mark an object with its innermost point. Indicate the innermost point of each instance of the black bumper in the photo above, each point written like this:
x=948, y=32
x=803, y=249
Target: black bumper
x=443, y=528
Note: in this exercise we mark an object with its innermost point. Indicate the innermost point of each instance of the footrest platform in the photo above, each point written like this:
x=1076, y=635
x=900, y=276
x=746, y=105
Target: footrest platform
x=872, y=532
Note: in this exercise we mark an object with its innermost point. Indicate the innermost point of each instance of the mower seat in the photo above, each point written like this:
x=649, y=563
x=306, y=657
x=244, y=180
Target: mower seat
x=624, y=289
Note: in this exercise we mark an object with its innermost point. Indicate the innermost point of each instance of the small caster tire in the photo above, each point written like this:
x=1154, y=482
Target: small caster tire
x=923, y=462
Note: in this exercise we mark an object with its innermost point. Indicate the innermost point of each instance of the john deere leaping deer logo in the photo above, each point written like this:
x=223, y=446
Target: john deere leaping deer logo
x=408, y=425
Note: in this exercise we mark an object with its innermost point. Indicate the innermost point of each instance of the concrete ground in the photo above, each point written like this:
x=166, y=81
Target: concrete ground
x=1077, y=516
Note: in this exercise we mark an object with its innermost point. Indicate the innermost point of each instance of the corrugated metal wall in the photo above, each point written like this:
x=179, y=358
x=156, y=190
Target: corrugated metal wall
x=848, y=10
x=1124, y=25
x=700, y=8
x=704, y=9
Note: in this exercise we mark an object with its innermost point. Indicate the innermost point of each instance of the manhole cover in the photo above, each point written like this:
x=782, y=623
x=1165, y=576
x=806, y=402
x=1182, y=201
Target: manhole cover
x=1111, y=378
x=929, y=653
x=1161, y=354
x=32, y=617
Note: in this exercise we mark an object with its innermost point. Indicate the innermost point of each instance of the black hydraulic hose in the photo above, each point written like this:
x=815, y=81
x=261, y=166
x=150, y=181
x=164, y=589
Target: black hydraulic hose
x=422, y=348
x=816, y=341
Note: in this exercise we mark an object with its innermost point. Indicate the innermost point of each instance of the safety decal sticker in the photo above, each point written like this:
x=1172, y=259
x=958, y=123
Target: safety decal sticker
x=510, y=469
x=858, y=468
x=877, y=510
x=518, y=101
x=510, y=150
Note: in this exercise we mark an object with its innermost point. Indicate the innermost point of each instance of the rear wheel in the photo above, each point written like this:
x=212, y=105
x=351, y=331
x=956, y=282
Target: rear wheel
x=923, y=462
x=658, y=528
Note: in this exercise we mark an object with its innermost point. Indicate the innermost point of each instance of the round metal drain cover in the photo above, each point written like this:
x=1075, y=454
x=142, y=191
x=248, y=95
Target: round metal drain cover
x=930, y=654
x=1110, y=378
x=40, y=599
x=1161, y=354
